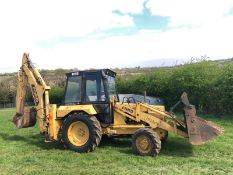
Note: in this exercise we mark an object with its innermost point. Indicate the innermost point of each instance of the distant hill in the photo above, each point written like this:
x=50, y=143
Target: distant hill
x=229, y=60
x=57, y=77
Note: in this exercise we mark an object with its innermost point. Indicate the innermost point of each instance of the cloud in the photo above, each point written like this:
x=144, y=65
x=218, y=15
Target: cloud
x=127, y=6
x=196, y=28
x=179, y=45
x=45, y=19
x=193, y=12
x=25, y=22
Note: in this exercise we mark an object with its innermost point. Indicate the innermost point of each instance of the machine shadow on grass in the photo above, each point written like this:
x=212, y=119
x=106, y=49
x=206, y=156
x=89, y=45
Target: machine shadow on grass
x=172, y=147
x=35, y=140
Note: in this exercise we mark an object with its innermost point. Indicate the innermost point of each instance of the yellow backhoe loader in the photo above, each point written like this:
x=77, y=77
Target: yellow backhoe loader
x=91, y=109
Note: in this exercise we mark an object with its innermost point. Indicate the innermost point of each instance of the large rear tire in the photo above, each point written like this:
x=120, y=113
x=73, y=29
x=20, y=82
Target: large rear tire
x=81, y=132
x=146, y=142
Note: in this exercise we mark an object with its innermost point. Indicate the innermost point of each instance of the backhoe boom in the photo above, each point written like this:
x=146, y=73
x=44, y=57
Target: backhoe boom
x=30, y=76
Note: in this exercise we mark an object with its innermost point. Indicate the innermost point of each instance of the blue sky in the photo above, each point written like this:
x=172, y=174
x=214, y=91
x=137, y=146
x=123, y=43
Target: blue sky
x=142, y=21
x=145, y=20
x=114, y=33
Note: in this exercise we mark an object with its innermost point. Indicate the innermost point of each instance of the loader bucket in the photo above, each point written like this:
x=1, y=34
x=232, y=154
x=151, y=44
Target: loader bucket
x=199, y=130
x=25, y=120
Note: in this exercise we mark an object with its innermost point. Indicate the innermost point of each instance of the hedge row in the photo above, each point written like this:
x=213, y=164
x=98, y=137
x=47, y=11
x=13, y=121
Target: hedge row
x=209, y=85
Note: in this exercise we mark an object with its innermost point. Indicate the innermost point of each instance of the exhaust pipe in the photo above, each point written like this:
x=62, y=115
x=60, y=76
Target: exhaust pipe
x=199, y=130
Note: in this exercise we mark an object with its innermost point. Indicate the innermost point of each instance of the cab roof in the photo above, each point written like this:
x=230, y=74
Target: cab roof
x=105, y=71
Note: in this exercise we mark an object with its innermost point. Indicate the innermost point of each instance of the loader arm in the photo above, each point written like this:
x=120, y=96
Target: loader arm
x=197, y=130
x=30, y=76
x=153, y=117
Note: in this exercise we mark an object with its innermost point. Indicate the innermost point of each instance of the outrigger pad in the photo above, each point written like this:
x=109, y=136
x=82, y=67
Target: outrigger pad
x=199, y=130
x=25, y=120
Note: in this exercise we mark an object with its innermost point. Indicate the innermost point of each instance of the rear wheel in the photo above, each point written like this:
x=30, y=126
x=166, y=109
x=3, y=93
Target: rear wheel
x=146, y=142
x=81, y=132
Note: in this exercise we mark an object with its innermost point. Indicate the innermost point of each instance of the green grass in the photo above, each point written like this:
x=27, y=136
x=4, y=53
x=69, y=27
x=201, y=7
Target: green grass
x=23, y=151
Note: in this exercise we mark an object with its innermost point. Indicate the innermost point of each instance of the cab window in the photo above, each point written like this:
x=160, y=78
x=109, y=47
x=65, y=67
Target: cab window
x=94, y=88
x=73, y=90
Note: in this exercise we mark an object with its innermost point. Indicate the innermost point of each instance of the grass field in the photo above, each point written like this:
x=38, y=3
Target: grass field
x=24, y=152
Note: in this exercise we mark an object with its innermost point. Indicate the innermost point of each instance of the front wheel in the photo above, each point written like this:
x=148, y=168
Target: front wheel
x=81, y=132
x=146, y=142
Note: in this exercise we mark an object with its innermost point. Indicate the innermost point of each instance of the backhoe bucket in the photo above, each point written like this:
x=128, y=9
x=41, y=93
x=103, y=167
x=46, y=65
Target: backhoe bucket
x=199, y=130
x=25, y=120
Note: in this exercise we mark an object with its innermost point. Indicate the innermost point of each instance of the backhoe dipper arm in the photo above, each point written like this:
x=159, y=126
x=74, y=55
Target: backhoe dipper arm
x=30, y=76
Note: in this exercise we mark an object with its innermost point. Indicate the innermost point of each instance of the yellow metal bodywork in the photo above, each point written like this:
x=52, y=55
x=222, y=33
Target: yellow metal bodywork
x=54, y=124
x=63, y=111
x=143, y=114
x=151, y=116
x=57, y=115
x=29, y=75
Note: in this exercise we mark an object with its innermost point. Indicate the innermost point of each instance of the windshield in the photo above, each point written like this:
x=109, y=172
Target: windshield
x=111, y=87
x=73, y=90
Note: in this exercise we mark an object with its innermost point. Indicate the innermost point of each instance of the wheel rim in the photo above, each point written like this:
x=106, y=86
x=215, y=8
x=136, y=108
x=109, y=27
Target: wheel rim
x=78, y=133
x=143, y=144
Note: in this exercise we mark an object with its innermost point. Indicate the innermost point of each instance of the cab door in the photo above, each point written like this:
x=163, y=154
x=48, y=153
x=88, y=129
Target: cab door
x=95, y=94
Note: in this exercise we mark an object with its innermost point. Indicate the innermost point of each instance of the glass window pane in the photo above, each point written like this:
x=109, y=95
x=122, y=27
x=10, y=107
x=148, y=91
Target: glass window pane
x=73, y=90
x=94, y=88
x=102, y=94
x=91, y=90
x=111, y=86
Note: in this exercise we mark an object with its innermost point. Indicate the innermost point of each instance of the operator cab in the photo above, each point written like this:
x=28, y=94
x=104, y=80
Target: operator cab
x=94, y=87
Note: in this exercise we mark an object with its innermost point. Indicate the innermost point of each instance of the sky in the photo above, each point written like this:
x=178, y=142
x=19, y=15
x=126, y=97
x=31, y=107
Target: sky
x=113, y=33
